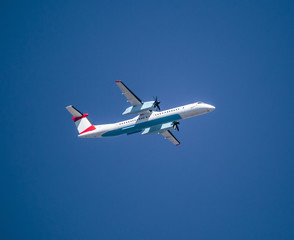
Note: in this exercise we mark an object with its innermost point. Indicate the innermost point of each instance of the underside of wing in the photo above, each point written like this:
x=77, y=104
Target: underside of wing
x=169, y=136
x=131, y=97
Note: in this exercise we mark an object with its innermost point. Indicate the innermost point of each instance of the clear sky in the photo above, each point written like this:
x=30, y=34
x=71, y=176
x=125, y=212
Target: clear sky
x=232, y=176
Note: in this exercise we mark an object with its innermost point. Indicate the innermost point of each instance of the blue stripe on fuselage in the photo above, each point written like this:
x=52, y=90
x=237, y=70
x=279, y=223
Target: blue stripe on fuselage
x=139, y=126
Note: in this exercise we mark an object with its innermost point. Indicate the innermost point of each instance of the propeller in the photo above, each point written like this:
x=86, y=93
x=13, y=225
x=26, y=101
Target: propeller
x=156, y=104
x=175, y=125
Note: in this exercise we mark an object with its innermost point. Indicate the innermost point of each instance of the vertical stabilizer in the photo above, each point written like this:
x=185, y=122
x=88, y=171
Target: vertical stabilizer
x=82, y=122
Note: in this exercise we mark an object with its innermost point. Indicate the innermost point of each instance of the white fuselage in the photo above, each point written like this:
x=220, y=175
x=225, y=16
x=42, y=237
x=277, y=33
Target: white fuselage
x=149, y=119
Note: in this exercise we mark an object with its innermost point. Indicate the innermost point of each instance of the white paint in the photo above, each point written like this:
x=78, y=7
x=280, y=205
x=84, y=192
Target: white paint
x=82, y=124
x=185, y=111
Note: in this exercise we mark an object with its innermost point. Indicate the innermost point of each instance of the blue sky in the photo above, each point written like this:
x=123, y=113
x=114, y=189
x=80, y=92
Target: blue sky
x=232, y=176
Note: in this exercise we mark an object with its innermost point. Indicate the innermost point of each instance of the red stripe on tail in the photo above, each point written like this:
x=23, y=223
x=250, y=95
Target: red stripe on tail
x=78, y=118
x=91, y=128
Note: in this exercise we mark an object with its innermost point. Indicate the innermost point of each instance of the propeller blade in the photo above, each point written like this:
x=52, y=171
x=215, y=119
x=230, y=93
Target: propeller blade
x=175, y=125
x=156, y=103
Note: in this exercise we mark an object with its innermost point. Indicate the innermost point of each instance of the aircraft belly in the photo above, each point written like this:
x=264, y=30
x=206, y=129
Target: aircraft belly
x=138, y=127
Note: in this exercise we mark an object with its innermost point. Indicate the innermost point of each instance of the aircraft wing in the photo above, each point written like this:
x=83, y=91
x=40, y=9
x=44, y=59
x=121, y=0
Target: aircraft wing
x=169, y=136
x=131, y=97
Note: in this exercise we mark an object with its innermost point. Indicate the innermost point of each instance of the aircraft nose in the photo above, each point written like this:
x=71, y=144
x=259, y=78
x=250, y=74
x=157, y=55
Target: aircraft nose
x=210, y=108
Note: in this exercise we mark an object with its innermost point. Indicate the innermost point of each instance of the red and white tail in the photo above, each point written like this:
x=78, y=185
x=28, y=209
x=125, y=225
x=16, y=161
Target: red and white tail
x=81, y=120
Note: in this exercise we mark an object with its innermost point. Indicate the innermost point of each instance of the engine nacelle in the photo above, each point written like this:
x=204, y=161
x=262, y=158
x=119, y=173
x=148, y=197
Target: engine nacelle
x=139, y=108
x=158, y=128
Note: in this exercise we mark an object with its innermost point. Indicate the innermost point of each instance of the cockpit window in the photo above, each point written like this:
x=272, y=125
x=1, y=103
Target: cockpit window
x=199, y=102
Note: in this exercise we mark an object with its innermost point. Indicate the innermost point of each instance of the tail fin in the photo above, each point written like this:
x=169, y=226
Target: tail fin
x=82, y=123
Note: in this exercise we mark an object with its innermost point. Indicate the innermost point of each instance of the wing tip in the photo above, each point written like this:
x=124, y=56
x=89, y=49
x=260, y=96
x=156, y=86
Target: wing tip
x=117, y=81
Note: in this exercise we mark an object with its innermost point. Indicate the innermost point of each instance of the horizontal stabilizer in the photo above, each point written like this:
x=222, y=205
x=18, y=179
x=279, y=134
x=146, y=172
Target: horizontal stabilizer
x=73, y=111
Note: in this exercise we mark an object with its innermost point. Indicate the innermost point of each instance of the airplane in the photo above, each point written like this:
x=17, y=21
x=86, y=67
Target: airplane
x=147, y=121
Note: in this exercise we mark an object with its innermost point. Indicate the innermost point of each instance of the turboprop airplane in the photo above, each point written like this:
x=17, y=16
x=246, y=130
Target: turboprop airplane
x=148, y=121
